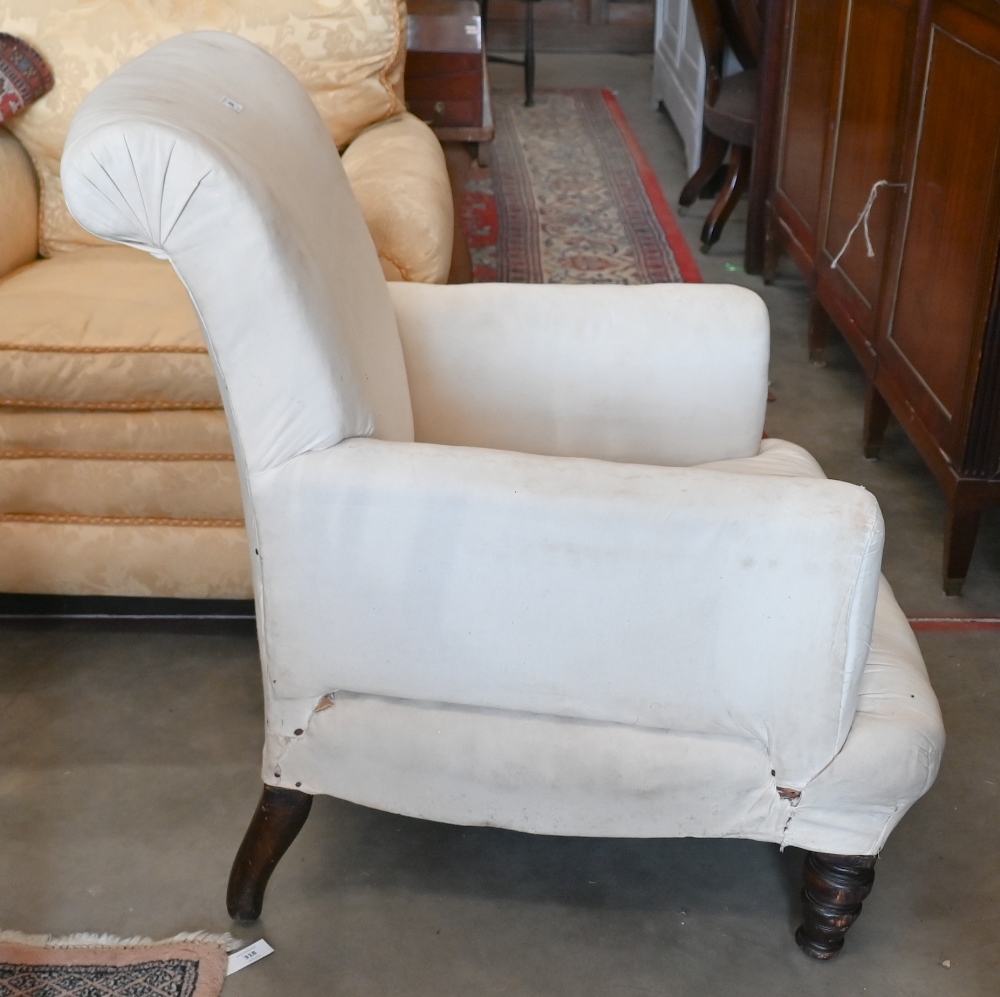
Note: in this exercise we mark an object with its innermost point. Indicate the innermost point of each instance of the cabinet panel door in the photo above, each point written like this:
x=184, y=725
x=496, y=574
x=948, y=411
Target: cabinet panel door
x=814, y=26
x=951, y=227
x=679, y=74
x=867, y=147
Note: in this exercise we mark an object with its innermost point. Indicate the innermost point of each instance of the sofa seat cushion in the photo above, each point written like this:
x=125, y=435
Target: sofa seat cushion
x=103, y=328
x=111, y=413
x=180, y=560
x=112, y=487
x=75, y=433
x=348, y=54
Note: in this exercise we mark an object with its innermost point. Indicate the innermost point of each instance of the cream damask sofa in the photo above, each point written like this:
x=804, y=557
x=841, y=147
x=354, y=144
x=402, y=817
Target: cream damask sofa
x=116, y=468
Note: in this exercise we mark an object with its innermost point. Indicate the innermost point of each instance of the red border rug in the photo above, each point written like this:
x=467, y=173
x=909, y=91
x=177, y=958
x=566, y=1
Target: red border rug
x=954, y=624
x=570, y=198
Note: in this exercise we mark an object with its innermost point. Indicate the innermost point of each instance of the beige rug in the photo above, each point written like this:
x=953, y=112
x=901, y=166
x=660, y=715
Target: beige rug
x=192, y=965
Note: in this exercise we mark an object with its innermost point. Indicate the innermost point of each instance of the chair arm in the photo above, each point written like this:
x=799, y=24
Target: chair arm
x=673, y=598
x=670, y=374
x=398, y=174
x=18, y=205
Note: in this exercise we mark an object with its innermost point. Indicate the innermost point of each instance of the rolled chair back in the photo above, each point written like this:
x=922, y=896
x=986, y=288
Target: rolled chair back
x=206, y=151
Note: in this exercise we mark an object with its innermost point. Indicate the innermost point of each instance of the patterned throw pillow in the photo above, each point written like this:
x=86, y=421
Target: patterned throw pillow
x=24, y=76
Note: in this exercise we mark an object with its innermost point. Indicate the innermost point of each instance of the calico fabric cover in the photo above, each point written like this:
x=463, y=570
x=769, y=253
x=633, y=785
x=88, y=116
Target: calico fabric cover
x=544, y=642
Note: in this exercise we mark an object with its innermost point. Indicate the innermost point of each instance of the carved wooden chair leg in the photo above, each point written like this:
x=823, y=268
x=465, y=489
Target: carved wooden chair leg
x=834, y=886
x=711, y=159
x=737, y=180
x=277, y=820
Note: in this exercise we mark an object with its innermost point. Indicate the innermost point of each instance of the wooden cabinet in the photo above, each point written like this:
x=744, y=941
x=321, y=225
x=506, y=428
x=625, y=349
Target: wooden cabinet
x=906, y=92
x=679, y=74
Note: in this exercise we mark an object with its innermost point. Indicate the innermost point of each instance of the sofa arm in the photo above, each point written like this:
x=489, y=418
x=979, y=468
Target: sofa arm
x=673, y=598
x=18, y=205
x=398, y=174
x=671, y=374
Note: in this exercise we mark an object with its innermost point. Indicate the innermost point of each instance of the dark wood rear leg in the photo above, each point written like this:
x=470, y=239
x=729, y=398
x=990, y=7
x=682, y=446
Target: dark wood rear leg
x=712, y=153
x=276, y=822
x=737, y=180
x=833, y=888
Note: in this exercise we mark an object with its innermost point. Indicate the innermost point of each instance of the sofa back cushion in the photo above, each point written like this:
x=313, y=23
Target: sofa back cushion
x=348, y=54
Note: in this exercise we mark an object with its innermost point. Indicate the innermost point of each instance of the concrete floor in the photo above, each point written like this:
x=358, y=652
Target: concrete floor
x=131, y=768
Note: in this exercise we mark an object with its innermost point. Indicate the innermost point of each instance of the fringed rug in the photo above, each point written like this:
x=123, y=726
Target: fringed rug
x=570, y=198
x=191, y=965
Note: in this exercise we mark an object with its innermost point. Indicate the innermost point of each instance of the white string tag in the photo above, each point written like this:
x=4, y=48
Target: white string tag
x=863, y=220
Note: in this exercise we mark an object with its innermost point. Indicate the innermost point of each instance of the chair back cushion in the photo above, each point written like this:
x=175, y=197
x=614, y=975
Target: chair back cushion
x=347, y=53
x=208, y=152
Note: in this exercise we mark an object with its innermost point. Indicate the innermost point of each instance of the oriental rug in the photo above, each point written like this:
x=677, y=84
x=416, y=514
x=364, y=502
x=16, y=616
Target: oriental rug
x=102, y=966
x=570, y=198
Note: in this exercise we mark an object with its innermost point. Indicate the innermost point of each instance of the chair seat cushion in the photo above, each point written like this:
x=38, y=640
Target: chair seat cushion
x=779, y=457
x=734, y=113
x=618, y=780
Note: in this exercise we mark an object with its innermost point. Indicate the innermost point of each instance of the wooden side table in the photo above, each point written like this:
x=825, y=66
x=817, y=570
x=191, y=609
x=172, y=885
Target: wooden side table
x=447, y=86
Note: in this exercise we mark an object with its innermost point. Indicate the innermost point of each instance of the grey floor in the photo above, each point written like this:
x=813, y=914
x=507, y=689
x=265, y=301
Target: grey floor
x=130, y=768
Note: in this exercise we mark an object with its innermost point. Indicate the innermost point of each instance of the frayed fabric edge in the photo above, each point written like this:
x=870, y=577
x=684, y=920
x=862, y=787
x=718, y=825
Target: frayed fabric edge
x=85, y=939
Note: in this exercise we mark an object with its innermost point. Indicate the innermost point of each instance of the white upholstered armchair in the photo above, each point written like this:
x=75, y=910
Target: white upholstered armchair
x=520, y=557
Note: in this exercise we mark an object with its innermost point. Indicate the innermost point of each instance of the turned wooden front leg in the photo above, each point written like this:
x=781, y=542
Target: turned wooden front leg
x=278, y=818
x=833, y=888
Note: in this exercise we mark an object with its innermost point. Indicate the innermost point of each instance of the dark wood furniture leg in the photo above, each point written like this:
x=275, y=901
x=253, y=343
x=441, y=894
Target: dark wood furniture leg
x=277, y=820
x=755, y=258
x=772, y=251
x=528, y=61
x=712, y=154
x=736, y=183
x=529, y=53
x=876, y=421
x=833, y=888
x=965, y=510
x=459, y=156
x=819, y=331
